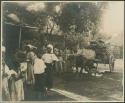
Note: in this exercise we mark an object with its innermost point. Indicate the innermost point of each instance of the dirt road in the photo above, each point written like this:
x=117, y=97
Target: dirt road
x=67, y=87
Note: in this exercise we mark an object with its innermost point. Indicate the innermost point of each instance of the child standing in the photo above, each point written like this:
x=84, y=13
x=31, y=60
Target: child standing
x=30, y=64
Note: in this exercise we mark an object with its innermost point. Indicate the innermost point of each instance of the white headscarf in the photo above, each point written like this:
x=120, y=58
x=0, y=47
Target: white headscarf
x=3, y=49
x=50, y=46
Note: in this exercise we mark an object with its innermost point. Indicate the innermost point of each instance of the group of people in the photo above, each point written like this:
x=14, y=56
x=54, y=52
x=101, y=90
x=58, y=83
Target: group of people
x=35, y=71
x=40, y=69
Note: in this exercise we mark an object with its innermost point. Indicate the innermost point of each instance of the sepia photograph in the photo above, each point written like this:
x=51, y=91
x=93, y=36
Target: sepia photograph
x=62, y=51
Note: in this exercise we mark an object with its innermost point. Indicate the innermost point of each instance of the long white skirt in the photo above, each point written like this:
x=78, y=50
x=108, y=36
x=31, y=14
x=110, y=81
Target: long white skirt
x=19, y=90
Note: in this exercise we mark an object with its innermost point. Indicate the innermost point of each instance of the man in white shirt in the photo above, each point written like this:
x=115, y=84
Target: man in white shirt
x=39, y=66
x=39, y=69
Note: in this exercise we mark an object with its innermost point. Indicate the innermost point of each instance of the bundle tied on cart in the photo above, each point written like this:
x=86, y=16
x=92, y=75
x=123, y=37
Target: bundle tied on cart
x=87, y=53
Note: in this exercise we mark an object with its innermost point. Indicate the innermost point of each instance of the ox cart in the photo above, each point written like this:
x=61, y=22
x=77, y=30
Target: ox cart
x=89, y=58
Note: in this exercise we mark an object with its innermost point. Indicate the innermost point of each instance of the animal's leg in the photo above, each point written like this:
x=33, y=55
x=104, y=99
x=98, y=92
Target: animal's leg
x=73, y=69
x=76, y=73
x=89, y=70
x=76, y=69
x=86, y=68
x=96, y=66
x=81, y=70
x=80, y=74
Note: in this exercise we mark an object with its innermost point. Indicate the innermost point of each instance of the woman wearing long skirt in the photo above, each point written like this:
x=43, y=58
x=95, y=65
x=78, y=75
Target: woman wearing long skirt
x=5, y=78
x=49, y=58
x=5, y=72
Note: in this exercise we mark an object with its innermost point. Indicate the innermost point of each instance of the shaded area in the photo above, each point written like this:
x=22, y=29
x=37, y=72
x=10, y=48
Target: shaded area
x=30, y=95
x=108, y=87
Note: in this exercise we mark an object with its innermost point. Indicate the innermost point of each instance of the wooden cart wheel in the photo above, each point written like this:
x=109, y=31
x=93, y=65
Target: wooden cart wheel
x=111, y=63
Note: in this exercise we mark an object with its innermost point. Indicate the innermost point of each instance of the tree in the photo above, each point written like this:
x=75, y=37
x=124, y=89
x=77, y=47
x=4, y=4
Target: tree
x=74, y=19
x=80, y=19
x=84, y=16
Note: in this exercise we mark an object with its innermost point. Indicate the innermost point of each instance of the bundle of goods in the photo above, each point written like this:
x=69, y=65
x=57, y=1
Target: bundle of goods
x=87, y=53
x=102, y=51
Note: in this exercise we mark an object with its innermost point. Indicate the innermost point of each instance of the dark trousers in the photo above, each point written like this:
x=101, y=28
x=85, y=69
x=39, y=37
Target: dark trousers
x=40, y=82
x=49, y=75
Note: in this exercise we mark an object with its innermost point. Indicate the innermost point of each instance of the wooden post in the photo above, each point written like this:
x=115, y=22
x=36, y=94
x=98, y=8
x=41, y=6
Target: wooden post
x=20, y=36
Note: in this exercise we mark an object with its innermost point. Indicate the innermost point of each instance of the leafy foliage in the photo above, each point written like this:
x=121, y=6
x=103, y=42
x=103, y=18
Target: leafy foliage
x=73, y=19
x=83, y=16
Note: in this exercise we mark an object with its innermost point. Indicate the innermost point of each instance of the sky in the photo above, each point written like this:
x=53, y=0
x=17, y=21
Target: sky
x=113, y=21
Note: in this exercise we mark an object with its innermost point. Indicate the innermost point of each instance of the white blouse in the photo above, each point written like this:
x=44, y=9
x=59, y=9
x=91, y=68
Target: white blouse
x=7, y=71
x=39, y=66
x=49, y=58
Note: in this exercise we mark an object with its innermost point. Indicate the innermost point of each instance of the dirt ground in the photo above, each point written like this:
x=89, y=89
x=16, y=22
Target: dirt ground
x=108, y=87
